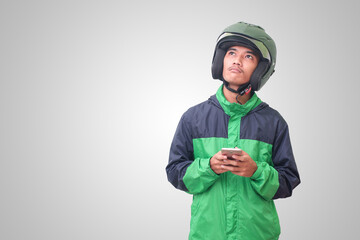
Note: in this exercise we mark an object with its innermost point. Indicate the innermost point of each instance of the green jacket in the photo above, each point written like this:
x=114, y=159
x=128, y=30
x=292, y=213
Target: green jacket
x=228, y=206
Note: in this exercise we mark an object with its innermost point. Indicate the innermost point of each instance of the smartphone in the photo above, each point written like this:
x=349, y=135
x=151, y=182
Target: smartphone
x=231, y=151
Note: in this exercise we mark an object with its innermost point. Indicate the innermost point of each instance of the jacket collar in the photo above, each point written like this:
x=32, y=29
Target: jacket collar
x=233, y=109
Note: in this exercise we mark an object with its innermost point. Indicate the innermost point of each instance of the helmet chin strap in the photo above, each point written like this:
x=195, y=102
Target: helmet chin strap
x=243, y=89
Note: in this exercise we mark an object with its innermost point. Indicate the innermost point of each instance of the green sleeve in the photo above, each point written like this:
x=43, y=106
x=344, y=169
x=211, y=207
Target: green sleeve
x=199, y=176
x=265, y=181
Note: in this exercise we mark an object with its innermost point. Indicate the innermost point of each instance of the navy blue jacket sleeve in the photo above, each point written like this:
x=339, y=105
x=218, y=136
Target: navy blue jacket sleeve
x=284, y=163
x=181, y=155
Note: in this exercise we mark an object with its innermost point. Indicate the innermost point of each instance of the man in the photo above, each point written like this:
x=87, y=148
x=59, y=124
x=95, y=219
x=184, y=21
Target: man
x=233, y=197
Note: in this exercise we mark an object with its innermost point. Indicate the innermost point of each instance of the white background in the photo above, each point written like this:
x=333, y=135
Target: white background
x=91, y=93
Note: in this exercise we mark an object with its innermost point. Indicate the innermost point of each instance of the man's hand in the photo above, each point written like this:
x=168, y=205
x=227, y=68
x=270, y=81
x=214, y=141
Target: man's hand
x=217, y=163
x=241, y=165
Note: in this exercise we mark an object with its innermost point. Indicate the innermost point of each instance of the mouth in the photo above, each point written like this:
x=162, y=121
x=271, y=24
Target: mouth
x=235, y=69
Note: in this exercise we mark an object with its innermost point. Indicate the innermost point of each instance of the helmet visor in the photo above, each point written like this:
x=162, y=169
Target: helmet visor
x=231, y=37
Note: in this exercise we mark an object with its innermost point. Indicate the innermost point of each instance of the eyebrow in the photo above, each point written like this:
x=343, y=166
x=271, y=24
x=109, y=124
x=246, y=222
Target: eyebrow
x=234, y=49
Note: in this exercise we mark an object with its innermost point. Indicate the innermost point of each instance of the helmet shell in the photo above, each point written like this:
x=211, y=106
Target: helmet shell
x=250, y=36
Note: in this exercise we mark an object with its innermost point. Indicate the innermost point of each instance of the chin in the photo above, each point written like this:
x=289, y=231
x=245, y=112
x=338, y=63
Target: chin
x=236, y=83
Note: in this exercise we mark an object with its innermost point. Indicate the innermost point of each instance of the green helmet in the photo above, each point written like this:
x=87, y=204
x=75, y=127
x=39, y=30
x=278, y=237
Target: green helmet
x=253, y=37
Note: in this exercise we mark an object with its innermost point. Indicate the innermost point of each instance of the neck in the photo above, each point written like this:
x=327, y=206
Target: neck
x=234, y=97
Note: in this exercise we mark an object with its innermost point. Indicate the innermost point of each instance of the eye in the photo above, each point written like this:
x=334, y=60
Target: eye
x=232, y=53
x=249, y=56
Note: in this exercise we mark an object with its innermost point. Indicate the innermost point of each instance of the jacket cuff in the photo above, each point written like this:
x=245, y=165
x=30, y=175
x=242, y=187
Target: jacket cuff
x=258, y=172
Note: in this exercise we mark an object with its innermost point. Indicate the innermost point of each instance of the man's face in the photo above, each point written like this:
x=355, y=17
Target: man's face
x=239, y=64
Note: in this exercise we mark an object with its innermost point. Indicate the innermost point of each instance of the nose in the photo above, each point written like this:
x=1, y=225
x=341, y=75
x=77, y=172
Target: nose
x=237, y=61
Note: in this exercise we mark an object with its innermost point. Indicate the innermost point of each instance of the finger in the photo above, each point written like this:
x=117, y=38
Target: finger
x=244, y=158
x=222, y=168
x=222, y=158
x=237, y=157
x=218, y=169
x=219, y=161
x=230, y=168
x=231, y=162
